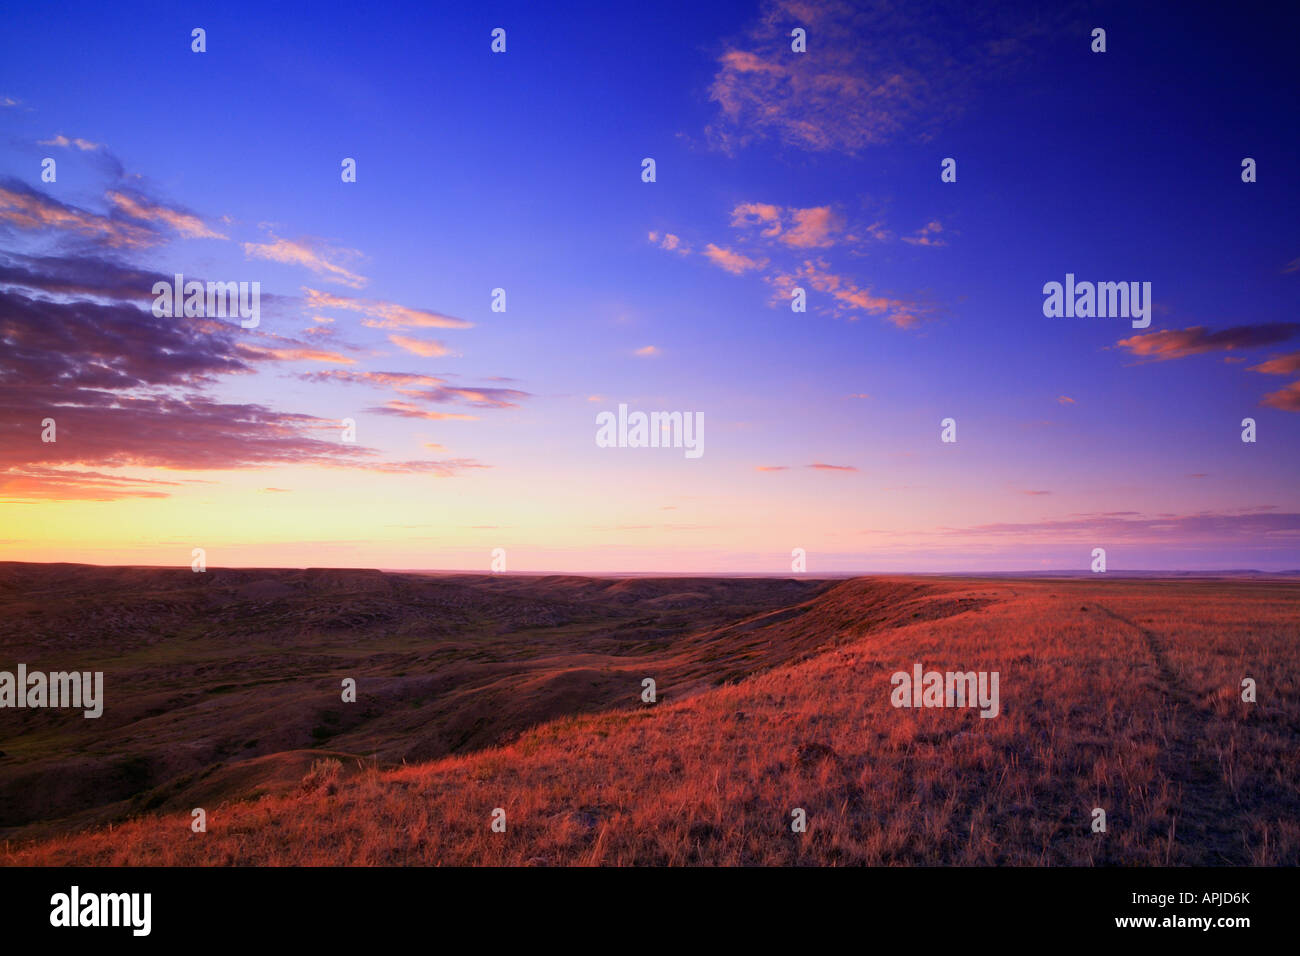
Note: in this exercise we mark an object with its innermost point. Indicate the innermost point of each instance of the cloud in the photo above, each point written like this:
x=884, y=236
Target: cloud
x=427, y=388
x=1287, y=399
x=734, y=262
x=758, y=214
x=84, y=145
x=296, y=354
x=811, y=228
x=670, y=241
x=384, y=315
x=772, y=468
x=927, y=235
x=79, y=276
x=7, y=101
x=446, y=468
x=1281, y=365
x=1064, y=400
x=847, y=297
x=68, y=484
x=1035, y=492
x=137, y=207
x=25, y=208
x=411, y=410
x=1180, y=343
x=125, y=389
x=425, y=347
x=872, y=71
x=821, y=466
x=648, y=351
x=304, y=253
x=128, y=390
x=1249, y=525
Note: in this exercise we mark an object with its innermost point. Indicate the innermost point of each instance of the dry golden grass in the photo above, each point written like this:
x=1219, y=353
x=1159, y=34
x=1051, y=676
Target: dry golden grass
x=1120, y=694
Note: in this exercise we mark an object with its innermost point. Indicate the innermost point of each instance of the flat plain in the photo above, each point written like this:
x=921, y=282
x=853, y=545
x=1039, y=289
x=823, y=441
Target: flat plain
x=524, y=693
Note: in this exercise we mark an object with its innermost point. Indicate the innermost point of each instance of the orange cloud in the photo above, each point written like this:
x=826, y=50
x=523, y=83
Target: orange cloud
x=303, y=254
x=411, y=410
x=22, y=207
x=927, y=235
x=425, y=347
x=1282, y=365
x=848, y=296
x=757, y=213
x=1287, y=399
x=187, y=224
x=812, y=228
x=808, y=228
x=1180, y=343
x=84, y=145
x=670, y=241
x=296, y=355
x=385, y=315
x=734, y=262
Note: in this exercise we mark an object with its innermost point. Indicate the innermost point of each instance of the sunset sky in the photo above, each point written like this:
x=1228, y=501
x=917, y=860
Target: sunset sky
x=476, y=429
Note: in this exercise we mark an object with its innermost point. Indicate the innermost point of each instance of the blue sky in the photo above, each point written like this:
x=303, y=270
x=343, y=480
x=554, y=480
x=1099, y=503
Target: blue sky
x=522, y=170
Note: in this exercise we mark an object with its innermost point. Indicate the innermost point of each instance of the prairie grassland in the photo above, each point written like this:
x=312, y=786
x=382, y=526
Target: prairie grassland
x=1117, y=694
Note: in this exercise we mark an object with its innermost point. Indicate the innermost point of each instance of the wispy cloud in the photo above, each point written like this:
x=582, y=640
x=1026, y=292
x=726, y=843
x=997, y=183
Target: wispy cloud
x=424, y=347
x=308, y=254
x=1287, y=399
x=187, y=224
x=848, y=298
x=734, y=262
x=927, y=235
x=669, y=241
x=427, y=388
x=872, y=72
x=811, y=228
x=384, y=315
x=1281, y=365
x=23, y=207
x=84, y=145
x=297, y=354
x=1179, y=343
x=411, y=410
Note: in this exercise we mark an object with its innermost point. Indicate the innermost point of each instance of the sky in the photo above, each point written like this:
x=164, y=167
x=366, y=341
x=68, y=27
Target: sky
x=774, y=170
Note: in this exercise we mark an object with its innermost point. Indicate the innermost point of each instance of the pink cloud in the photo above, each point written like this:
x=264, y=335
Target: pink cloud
x=734, y=262
x=304, y=253
x=425, y=347
x=385, y=315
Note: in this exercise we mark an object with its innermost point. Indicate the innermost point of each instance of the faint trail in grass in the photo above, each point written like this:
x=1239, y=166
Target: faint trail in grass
x=1209, y=821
